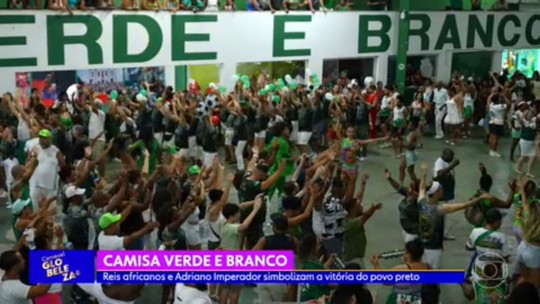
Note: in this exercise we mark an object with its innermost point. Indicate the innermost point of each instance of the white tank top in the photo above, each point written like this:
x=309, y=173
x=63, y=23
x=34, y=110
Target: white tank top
x=398, y=113
x=468, y=101
x=451, y=108
x=46, y=173
x=215, y=228
x=23, y=131
x=385, y=102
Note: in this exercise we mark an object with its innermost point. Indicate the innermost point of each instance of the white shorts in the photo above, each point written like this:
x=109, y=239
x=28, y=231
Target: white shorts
x=527, y=147
x=303, y=138
x=208, y=159
x=194, y=150
x=408, y=237
x=294, y=131
x=8, y=165
x=159, y=137
x=261, y=134
x=169, y=143
x=433, y=257
x=184, y=153
x=229, y=134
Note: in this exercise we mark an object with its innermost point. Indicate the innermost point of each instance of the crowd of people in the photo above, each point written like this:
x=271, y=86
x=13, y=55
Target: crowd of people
x=160, y=167
x=191, y=5
x=251, y=5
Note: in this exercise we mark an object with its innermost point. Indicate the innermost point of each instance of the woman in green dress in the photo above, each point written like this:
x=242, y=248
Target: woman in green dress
x=279, y=150
x=146, y=142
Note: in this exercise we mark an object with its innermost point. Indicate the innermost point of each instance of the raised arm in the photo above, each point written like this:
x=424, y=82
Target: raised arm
x=256, y=207
x=455, y=207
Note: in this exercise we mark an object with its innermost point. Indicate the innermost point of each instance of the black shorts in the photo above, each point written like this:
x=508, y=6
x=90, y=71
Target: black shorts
x=396, y=132
x=415, y=121
x=497, y=130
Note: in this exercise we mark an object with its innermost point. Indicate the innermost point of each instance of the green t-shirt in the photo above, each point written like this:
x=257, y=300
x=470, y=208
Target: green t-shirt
x=310, y=291
x=249, y=189
x=230, y=237
x=483, y=295
x=154, y=151
x=354, y=239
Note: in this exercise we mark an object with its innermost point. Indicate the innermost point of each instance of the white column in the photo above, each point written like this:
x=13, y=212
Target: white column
x=8, y=81
x=315, y=66
x=380, y=68
x=170, y=75
x=443, y=68
x=496, y=62
x=226, y=72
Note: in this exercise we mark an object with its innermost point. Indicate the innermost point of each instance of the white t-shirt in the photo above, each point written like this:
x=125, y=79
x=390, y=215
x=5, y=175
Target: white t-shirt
x=110, y=242
x=96, y=125
x=440, y=96
x=496, y=112
x=14, y=292
x=73, y=92
x=46, y=173
x=96, y=291
x=440, y=164
x=495, y=242
x=190, y=295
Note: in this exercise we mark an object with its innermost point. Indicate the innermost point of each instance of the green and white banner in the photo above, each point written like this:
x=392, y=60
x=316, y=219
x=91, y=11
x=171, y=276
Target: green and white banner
x=43, y=40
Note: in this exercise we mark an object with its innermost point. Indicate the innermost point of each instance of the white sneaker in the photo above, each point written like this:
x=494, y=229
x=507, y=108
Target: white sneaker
x=362, y=159
x=3, y=193
x=439, y=137
x=494, y=154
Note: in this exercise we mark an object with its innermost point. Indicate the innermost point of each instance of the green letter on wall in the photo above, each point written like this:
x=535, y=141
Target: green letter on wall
x=120, y=38
x=485, y=34
x=57, y=40
x=364, y=33
x=502, y=28
x=280, y=35
x=421, y=32
x=529, y=30
x=180, y=37
x=16, y=40
x=449, y=27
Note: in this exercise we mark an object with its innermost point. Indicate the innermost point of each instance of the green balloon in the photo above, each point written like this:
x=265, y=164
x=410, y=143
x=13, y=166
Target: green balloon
x=263, y=92
x=272, y=87
x=244, y=78
x=247, y=84
x=280, y=84
x=114, y=94
x=276, y=99
x=293, y=86
x=222, y=89
x=143, y=93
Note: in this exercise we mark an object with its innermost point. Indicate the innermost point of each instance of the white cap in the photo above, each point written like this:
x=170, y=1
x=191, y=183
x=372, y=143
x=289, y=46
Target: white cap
x=72, y=191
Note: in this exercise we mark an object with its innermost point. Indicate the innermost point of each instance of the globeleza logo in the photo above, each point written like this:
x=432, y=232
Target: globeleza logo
x=489, y=270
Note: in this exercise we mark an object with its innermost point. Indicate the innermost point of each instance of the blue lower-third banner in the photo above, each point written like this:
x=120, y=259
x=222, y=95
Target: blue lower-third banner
x=62, y=266
x=286, y=277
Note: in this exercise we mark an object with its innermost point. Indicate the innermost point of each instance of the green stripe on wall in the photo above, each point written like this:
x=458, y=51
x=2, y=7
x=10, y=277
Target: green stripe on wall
x=180, y=77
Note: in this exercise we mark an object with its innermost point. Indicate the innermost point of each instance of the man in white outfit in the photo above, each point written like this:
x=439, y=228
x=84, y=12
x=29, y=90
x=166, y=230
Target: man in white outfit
x=440, y=97
x=44, y=181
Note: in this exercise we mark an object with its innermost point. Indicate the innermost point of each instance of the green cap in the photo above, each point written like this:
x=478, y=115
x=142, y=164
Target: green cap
x=45, y=133
x=194, y=170
x=106, y=220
